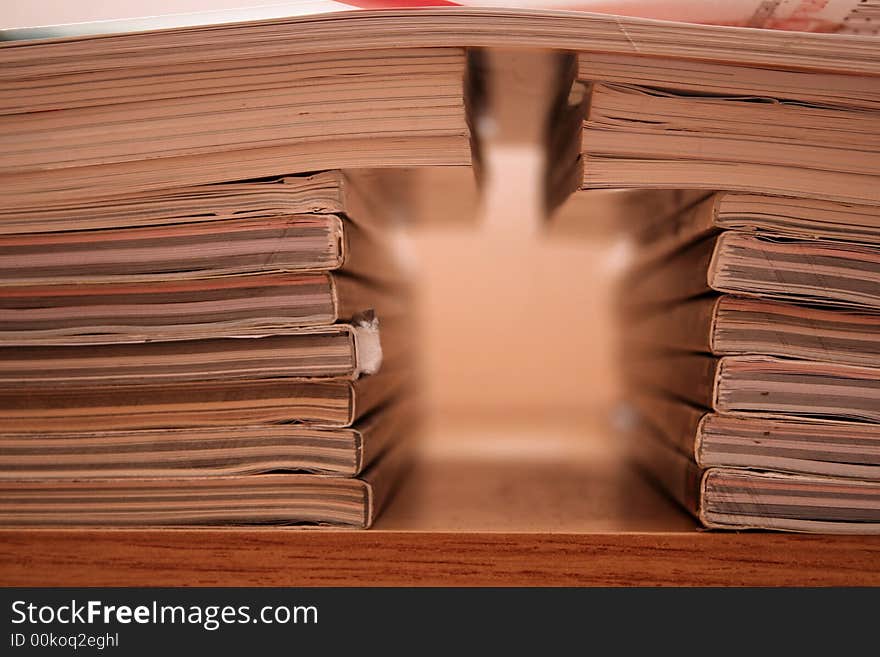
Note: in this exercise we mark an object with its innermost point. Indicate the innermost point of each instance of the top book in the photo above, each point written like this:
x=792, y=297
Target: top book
x=852, y=16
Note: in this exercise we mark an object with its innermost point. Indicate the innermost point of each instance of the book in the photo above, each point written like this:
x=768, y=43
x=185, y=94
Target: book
x=150, y=121
x=637, y=136
x=224, y=306
x=732, y=78
x=197, y=233
x=758, y=384
x=797, y=218
x=184, y=264
x=804, y=445
x=731, y=325
x=733, y=498
x=798, y=270
x=836, y=16
x=184, y=404
x=204, y=450
x=274, y=245
x=336, y=351
x=270, y=499
x=330, y=192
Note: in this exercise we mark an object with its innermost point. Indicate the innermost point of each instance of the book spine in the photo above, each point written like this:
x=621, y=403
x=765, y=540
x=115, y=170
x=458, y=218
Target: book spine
x=368, y=256
x=370, y=392
x=676, y=421
x=667, y=467
x=668, y=234
x=687, y=326
x=388, y=425
x=384, y=477
x=682, y=276
x=689, y=376
x=363, y=206
x=562, y=142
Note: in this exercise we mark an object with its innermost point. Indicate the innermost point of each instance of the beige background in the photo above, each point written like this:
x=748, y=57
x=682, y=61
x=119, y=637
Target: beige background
x=514, y=324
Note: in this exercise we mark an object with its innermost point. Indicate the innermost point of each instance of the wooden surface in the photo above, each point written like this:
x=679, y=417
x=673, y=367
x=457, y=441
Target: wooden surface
x=388, y=558
x=523, y=509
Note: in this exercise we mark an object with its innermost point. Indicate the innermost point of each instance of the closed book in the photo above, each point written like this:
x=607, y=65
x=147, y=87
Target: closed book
x=802, y=271
x=202, y=451
x=321, y=193
x=802, y=445
x=262, y=499
x=241, y=402
x=732, y=498
x=731, y=325
x=308, y=223
x=191, y=250
x=763, y=385
x=642, y=136
x=731, y=78
x=661, y=234
x=225, y=306
x=335, y=351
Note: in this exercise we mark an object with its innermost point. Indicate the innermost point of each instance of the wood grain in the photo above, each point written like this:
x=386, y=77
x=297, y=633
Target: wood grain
x=276, y=557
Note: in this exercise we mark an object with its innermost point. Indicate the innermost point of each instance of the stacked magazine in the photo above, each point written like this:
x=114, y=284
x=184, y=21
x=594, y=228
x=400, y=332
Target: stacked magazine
x=753, y=361
x=219, y=354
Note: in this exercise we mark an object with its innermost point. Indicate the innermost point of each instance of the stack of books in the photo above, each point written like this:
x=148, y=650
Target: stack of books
x=83, y=119
x=219, y=354
x=653, y=123
x=753, y=361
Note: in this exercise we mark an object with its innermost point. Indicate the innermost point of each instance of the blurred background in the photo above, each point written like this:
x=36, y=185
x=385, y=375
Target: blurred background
x=514, y=309
x=517, y=339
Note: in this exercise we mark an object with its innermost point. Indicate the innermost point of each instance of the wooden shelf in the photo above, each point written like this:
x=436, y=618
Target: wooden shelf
x=544, y=506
